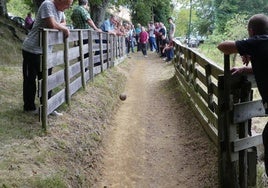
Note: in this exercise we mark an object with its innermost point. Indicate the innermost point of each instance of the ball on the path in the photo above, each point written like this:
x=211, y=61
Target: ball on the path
x=122, y=96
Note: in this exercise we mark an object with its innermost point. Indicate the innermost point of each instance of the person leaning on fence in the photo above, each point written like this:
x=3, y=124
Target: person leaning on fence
x=50, y=15
x=82, y=20
x=81, y=17
x=254, y=50
x=109, y=25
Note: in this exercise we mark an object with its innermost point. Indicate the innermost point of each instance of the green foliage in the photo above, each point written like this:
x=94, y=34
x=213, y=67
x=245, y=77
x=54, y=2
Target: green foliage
x=225, y=10
x=140, y=16
x=235, y=28
x=143, y=11
x=182, y=20
x=18, y=8
x=205, y=14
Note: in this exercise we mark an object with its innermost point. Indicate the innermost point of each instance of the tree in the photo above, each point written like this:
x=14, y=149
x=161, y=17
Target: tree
x=143, y=11
x=98, y=10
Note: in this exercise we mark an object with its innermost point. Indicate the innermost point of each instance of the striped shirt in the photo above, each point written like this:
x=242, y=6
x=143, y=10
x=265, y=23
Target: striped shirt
x=32, y=41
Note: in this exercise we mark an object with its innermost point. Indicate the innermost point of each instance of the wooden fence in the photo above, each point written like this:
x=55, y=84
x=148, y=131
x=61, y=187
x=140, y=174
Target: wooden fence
x=224, y=105
x=74, y=62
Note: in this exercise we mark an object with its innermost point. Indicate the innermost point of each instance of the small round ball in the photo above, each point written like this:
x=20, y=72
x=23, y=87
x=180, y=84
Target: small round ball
x=122, y=96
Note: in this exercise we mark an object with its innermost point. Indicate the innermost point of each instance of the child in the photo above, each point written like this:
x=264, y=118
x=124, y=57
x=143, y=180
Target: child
x=254, y=49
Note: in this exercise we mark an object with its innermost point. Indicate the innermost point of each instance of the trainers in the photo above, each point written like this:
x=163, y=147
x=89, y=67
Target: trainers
x=55, y=113
x=145, y=56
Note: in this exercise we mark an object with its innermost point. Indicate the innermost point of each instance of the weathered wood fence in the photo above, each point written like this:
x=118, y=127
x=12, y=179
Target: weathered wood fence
x=224, y=105
x=74, y=62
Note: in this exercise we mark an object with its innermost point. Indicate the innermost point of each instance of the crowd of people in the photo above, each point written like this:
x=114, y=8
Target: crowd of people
x=154, y=37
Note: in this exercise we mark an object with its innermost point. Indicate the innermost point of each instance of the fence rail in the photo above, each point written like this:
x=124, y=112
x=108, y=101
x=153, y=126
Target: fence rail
x=75, y=60
x=224, y=105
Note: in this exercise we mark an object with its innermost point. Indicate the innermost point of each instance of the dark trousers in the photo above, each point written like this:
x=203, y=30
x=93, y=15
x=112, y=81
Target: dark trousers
x=265, y=143
x=170, y=54
x=144, y=48
x=31, y=71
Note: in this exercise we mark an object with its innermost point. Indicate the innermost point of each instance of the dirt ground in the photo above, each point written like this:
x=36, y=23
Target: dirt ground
x=155, y=140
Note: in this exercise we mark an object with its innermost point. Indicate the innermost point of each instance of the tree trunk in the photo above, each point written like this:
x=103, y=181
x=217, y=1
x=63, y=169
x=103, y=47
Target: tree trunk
x=3, y=8
x=98, y=12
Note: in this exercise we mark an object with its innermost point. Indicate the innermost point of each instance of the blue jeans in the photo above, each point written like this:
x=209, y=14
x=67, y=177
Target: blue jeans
x=152, y=43
x=170, y=54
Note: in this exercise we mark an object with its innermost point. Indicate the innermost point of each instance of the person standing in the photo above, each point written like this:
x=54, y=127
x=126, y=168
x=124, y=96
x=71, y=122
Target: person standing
x=50, y=15
x=137, y=32
x=143, y=41
x=29, y=22
x=172, y=28
x=152, y=40
x=254, y=50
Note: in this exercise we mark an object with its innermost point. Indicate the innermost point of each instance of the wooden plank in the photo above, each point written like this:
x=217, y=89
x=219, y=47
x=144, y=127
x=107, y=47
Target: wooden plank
x=56, y=79
x=202, y=93
x=96, y=59
x=245, y=143
x=85, y=49
x=97, y=70
x=214, y=89
x=201, y=76
x=55, y=59
x=216, y=71
x=246, y=110
x=55, y=37
x=75, y=85
x=73, y=36
x=105, y=66
x=96, y=47
x=74, y=53
x=55, y=101
x=74, y=69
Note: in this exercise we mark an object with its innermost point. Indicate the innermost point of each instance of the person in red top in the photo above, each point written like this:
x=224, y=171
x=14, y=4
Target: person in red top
x=143, y=41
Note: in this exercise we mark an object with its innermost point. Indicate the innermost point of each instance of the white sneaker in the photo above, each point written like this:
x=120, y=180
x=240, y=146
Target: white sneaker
x=55, y=113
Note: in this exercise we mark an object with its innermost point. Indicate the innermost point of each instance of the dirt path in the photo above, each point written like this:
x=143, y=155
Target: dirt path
x=155, y=141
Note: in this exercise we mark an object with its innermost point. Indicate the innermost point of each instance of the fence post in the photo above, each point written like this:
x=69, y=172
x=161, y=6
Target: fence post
x=108, y=51
x=66, y=71
x=90, y=55
x=44, y=69
x=226, y=131
x=82, y=64
x=101, y=51
x=112, y=50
